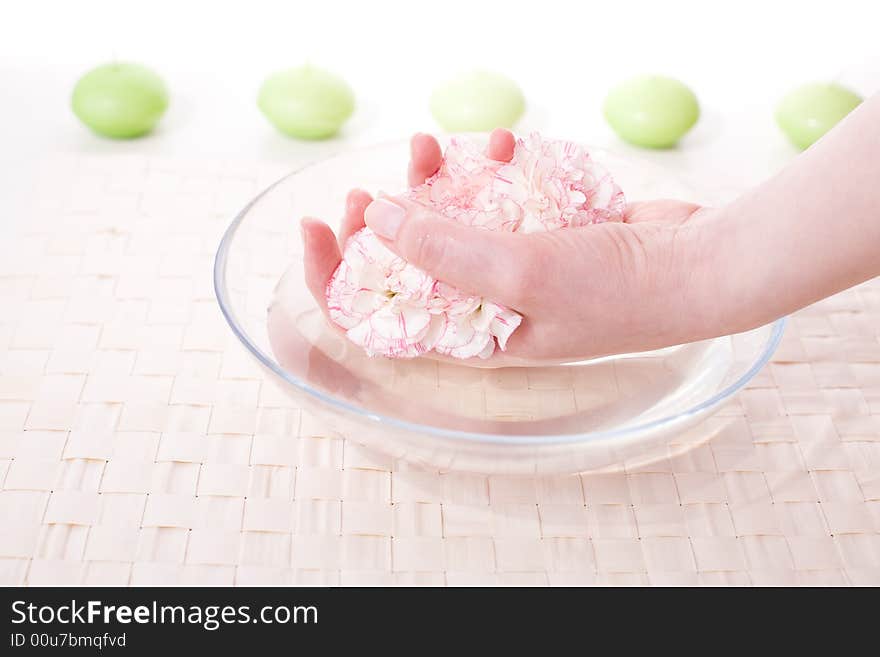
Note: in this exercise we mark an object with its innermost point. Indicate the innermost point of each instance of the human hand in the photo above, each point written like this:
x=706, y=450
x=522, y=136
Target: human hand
x=583, y=292
x=323, y=249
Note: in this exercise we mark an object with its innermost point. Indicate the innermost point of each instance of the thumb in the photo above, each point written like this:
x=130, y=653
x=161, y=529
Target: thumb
x=493, y=264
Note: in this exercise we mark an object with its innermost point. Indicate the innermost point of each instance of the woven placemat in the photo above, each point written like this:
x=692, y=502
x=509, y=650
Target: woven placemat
x=140, y=445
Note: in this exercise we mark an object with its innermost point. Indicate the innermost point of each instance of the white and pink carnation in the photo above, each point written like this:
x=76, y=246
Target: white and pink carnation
x=391, y=308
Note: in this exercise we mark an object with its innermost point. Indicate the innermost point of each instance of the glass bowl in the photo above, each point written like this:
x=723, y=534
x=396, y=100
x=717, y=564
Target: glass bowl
x=537, y=419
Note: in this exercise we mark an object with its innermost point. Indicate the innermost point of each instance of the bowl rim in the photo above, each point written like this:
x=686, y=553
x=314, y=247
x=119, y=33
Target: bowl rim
x=268, y=361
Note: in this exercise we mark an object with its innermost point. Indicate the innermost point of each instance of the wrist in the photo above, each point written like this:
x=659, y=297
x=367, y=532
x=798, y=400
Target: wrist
x=715, y=298
x=731, y=286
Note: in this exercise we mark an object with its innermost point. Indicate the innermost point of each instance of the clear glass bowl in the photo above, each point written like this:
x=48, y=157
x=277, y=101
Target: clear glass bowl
x=539, y=419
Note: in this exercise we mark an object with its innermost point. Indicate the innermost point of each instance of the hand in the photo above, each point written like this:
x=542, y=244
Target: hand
x=583, y=292
x=323, y=249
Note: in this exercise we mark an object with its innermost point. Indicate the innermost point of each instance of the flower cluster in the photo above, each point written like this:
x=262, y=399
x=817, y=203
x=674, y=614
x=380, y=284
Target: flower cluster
x=392, y=308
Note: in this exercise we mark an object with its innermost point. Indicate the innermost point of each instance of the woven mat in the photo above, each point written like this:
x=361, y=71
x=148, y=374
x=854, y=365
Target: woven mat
x=139, y=445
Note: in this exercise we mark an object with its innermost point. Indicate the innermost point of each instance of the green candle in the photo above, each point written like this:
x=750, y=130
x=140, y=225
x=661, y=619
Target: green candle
x=120, y=100
x=811, y=110
x=306, y=102
x=652, y=111
x=477, y=102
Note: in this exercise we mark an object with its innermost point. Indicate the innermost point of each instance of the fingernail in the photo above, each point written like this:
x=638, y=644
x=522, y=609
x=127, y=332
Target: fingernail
x=412, y=141
x=384, y=217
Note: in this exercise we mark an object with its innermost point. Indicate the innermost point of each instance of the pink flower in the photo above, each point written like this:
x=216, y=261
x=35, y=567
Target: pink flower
x=392, y=308
x=546, y=185
x=556, y=184
x=382, y=301
x=462, y=187
x=473, y=324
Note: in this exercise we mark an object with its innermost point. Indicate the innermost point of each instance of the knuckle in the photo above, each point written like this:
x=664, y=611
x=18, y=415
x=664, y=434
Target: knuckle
x=643, y=257
x=430, y=249
x=524, y=273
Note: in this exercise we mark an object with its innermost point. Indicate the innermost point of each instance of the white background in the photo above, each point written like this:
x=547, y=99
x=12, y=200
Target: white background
x=739, y=57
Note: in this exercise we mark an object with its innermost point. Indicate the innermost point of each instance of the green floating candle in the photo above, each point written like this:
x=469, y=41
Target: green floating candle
x=811, y=110
x=477, y=102
x=652, y=111
x=120, y=100
x=306, y=102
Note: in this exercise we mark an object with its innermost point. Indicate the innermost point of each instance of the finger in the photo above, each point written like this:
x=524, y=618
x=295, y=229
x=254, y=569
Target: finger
x=425, y=158
x=493, y=264
x=320, y=259
x=501, y=145
x=353, y=220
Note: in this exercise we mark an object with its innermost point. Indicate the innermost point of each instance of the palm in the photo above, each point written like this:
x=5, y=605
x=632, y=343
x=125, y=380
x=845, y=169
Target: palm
x=663, y=211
